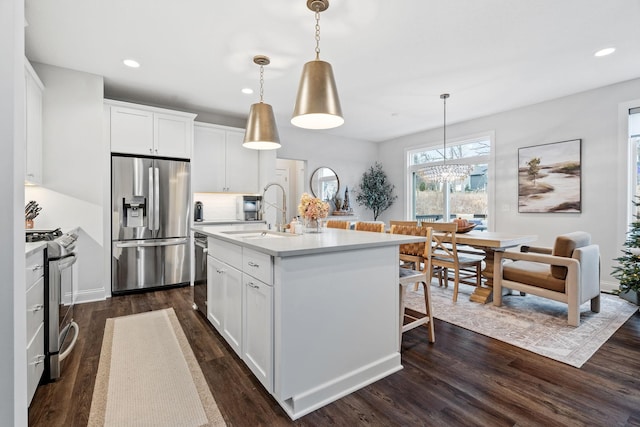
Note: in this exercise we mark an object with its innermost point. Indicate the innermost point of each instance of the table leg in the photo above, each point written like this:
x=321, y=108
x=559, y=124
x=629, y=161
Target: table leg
x=493, y=265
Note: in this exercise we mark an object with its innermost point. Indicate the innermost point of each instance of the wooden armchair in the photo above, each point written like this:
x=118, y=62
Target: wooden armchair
x=569, y=273
x=445, y=256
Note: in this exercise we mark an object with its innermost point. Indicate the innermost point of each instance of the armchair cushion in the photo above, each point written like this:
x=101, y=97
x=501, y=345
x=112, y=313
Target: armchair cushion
x=534, y=274
x=564, y=246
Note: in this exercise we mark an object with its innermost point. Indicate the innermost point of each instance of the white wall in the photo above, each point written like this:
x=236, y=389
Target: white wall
x=73, y=167
x=349, y=158
x=13, y=354
x=591, y=116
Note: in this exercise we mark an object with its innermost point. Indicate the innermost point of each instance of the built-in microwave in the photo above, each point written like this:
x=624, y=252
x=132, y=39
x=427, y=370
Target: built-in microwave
x=248, y=208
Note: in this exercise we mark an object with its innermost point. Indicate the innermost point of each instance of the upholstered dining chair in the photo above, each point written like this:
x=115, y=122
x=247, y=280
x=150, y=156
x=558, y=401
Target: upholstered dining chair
x=378, y=227
x=445, y=256
x=569, y=272
x=344, y=225
x=411, y=254
x=408, y=277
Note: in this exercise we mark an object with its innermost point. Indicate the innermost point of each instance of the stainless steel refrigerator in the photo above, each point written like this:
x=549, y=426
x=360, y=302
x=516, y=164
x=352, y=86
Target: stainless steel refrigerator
x=150, y=215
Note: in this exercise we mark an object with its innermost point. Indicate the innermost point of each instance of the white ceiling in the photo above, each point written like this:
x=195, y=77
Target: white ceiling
x=391, y=59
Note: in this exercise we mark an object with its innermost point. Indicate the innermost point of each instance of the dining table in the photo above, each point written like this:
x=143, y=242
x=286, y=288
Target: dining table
x=493, y=244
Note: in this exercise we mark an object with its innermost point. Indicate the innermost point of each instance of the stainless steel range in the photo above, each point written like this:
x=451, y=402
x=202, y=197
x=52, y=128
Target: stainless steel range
x=59, y=298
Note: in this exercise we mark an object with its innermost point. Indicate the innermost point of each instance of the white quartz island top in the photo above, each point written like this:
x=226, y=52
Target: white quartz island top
x=287, y=244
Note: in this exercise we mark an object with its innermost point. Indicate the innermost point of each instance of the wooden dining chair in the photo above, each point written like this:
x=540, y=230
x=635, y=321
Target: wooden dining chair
x=408, y=277
x=404, y=223
x=378, y=227
x=445, y=256
x=344, y=225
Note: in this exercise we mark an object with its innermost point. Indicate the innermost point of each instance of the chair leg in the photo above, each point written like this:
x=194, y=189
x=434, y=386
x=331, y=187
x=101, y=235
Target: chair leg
x=427, y=304
x=403, y=292
x=456, y=280
x=595, y=304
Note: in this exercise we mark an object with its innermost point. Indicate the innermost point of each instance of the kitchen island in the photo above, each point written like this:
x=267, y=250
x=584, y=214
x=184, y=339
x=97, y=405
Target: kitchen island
x=314, y=316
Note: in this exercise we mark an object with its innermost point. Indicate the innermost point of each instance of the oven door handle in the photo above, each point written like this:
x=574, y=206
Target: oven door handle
x=147, y=243
x=67, y=262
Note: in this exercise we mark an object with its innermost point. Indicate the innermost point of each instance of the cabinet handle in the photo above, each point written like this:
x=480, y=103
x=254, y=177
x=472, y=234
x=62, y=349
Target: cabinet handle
x=38, y=360
x=150, y=150
x=219, y=271
x=253, y=264
x=156, y=151
x=253, y=285
x=37, y=307
x=37, y=267
x=30, y=175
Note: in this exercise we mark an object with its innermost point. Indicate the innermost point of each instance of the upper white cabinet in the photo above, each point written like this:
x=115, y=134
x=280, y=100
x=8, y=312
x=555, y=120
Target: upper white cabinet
x=33, y=126
x=150, y=131
x=220, y=162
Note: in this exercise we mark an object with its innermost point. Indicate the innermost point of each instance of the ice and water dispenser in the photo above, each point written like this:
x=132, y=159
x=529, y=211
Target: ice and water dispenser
x=134, y=208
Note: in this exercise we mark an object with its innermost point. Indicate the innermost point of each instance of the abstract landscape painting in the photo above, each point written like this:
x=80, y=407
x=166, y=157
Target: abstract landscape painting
x=549, y=177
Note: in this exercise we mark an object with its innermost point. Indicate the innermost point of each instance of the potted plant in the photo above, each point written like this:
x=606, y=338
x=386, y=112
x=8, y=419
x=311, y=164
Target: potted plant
x=376, y=192
x=628, y=269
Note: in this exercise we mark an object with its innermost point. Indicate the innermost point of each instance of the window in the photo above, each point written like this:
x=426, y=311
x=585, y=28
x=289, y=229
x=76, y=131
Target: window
x=634, y=141
x=469, y=199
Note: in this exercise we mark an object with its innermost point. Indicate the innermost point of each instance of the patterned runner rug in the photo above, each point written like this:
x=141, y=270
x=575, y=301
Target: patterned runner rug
x=149, y=376
x=535, y=324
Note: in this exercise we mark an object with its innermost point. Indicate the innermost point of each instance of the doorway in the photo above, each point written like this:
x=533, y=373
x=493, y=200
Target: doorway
x=291, y=174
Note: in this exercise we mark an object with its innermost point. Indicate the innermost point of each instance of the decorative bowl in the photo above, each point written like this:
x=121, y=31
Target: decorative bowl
x=466, y=229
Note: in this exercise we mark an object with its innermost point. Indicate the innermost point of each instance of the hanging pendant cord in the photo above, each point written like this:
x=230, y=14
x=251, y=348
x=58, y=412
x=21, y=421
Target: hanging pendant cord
x=317, y=32
x=261, y=82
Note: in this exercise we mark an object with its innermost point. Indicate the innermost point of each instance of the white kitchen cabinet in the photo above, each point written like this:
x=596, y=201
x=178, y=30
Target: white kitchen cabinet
x=33, y=126
x=34, y=279
x=257, y=329
x=220, y=162
x=224, y=301
x=150, y=131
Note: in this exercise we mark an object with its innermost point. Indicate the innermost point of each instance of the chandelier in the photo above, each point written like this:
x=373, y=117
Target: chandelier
x=261, y=132
x=446, y=172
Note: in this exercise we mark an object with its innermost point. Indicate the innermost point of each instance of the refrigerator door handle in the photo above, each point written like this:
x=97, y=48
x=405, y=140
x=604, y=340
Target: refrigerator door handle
x=156, y=198
x=152, y=199
x=147, y=243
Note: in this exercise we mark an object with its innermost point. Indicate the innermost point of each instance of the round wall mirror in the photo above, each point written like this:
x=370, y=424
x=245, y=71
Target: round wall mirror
x=324, y=183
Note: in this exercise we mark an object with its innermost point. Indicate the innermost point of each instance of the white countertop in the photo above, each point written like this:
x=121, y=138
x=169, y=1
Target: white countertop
x=225, y=221
x=286, y=245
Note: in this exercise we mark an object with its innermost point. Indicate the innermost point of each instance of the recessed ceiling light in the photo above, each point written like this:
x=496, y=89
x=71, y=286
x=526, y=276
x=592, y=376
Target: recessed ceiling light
x=131, y=63
x=247, y=91
x=605, y=52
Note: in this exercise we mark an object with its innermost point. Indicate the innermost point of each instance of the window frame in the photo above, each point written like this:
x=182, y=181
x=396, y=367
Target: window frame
x=488, y=159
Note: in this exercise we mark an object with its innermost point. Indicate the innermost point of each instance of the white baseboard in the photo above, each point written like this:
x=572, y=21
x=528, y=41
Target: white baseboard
x=90, y=295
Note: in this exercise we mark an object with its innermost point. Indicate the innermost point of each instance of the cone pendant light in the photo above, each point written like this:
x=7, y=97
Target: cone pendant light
x=317, y=104
x=261, y=132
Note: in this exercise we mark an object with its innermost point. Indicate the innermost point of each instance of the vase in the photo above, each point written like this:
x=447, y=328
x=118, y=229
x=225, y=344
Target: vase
x=312, y=225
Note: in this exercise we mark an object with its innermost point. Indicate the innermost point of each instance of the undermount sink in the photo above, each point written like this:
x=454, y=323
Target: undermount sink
x=258, y=234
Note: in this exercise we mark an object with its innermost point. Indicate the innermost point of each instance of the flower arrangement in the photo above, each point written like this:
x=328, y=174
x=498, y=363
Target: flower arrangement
x=312, y=207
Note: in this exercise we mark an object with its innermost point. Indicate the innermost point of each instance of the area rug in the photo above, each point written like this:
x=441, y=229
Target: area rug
x=529, y=322
x=149, y=376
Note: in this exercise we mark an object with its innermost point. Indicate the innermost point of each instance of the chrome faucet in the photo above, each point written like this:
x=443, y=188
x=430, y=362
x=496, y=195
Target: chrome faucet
x=280, y=226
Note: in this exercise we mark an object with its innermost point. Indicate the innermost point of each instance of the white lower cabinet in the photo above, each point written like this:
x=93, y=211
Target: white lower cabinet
x=257, y=330
x=240, y=304
x=224, y=295
x=34, y=279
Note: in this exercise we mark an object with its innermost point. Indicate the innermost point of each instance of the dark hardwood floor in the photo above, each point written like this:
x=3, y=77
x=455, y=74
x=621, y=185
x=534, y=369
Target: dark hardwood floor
x=464, y=379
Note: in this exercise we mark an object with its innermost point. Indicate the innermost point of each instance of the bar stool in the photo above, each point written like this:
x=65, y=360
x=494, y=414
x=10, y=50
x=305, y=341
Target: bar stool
x=377, y=227
x=409, y=277
x=344, y=225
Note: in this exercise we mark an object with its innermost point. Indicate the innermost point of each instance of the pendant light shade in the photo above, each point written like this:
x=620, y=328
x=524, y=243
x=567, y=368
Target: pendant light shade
x=446, y=172
x=317, y=104
x=261, y=132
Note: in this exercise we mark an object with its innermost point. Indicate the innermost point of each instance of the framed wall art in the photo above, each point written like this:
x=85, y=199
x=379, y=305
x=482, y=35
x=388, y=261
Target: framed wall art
x=549, y=177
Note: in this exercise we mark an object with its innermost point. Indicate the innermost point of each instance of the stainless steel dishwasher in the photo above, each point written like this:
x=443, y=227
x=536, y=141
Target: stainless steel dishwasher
x=200, y=276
